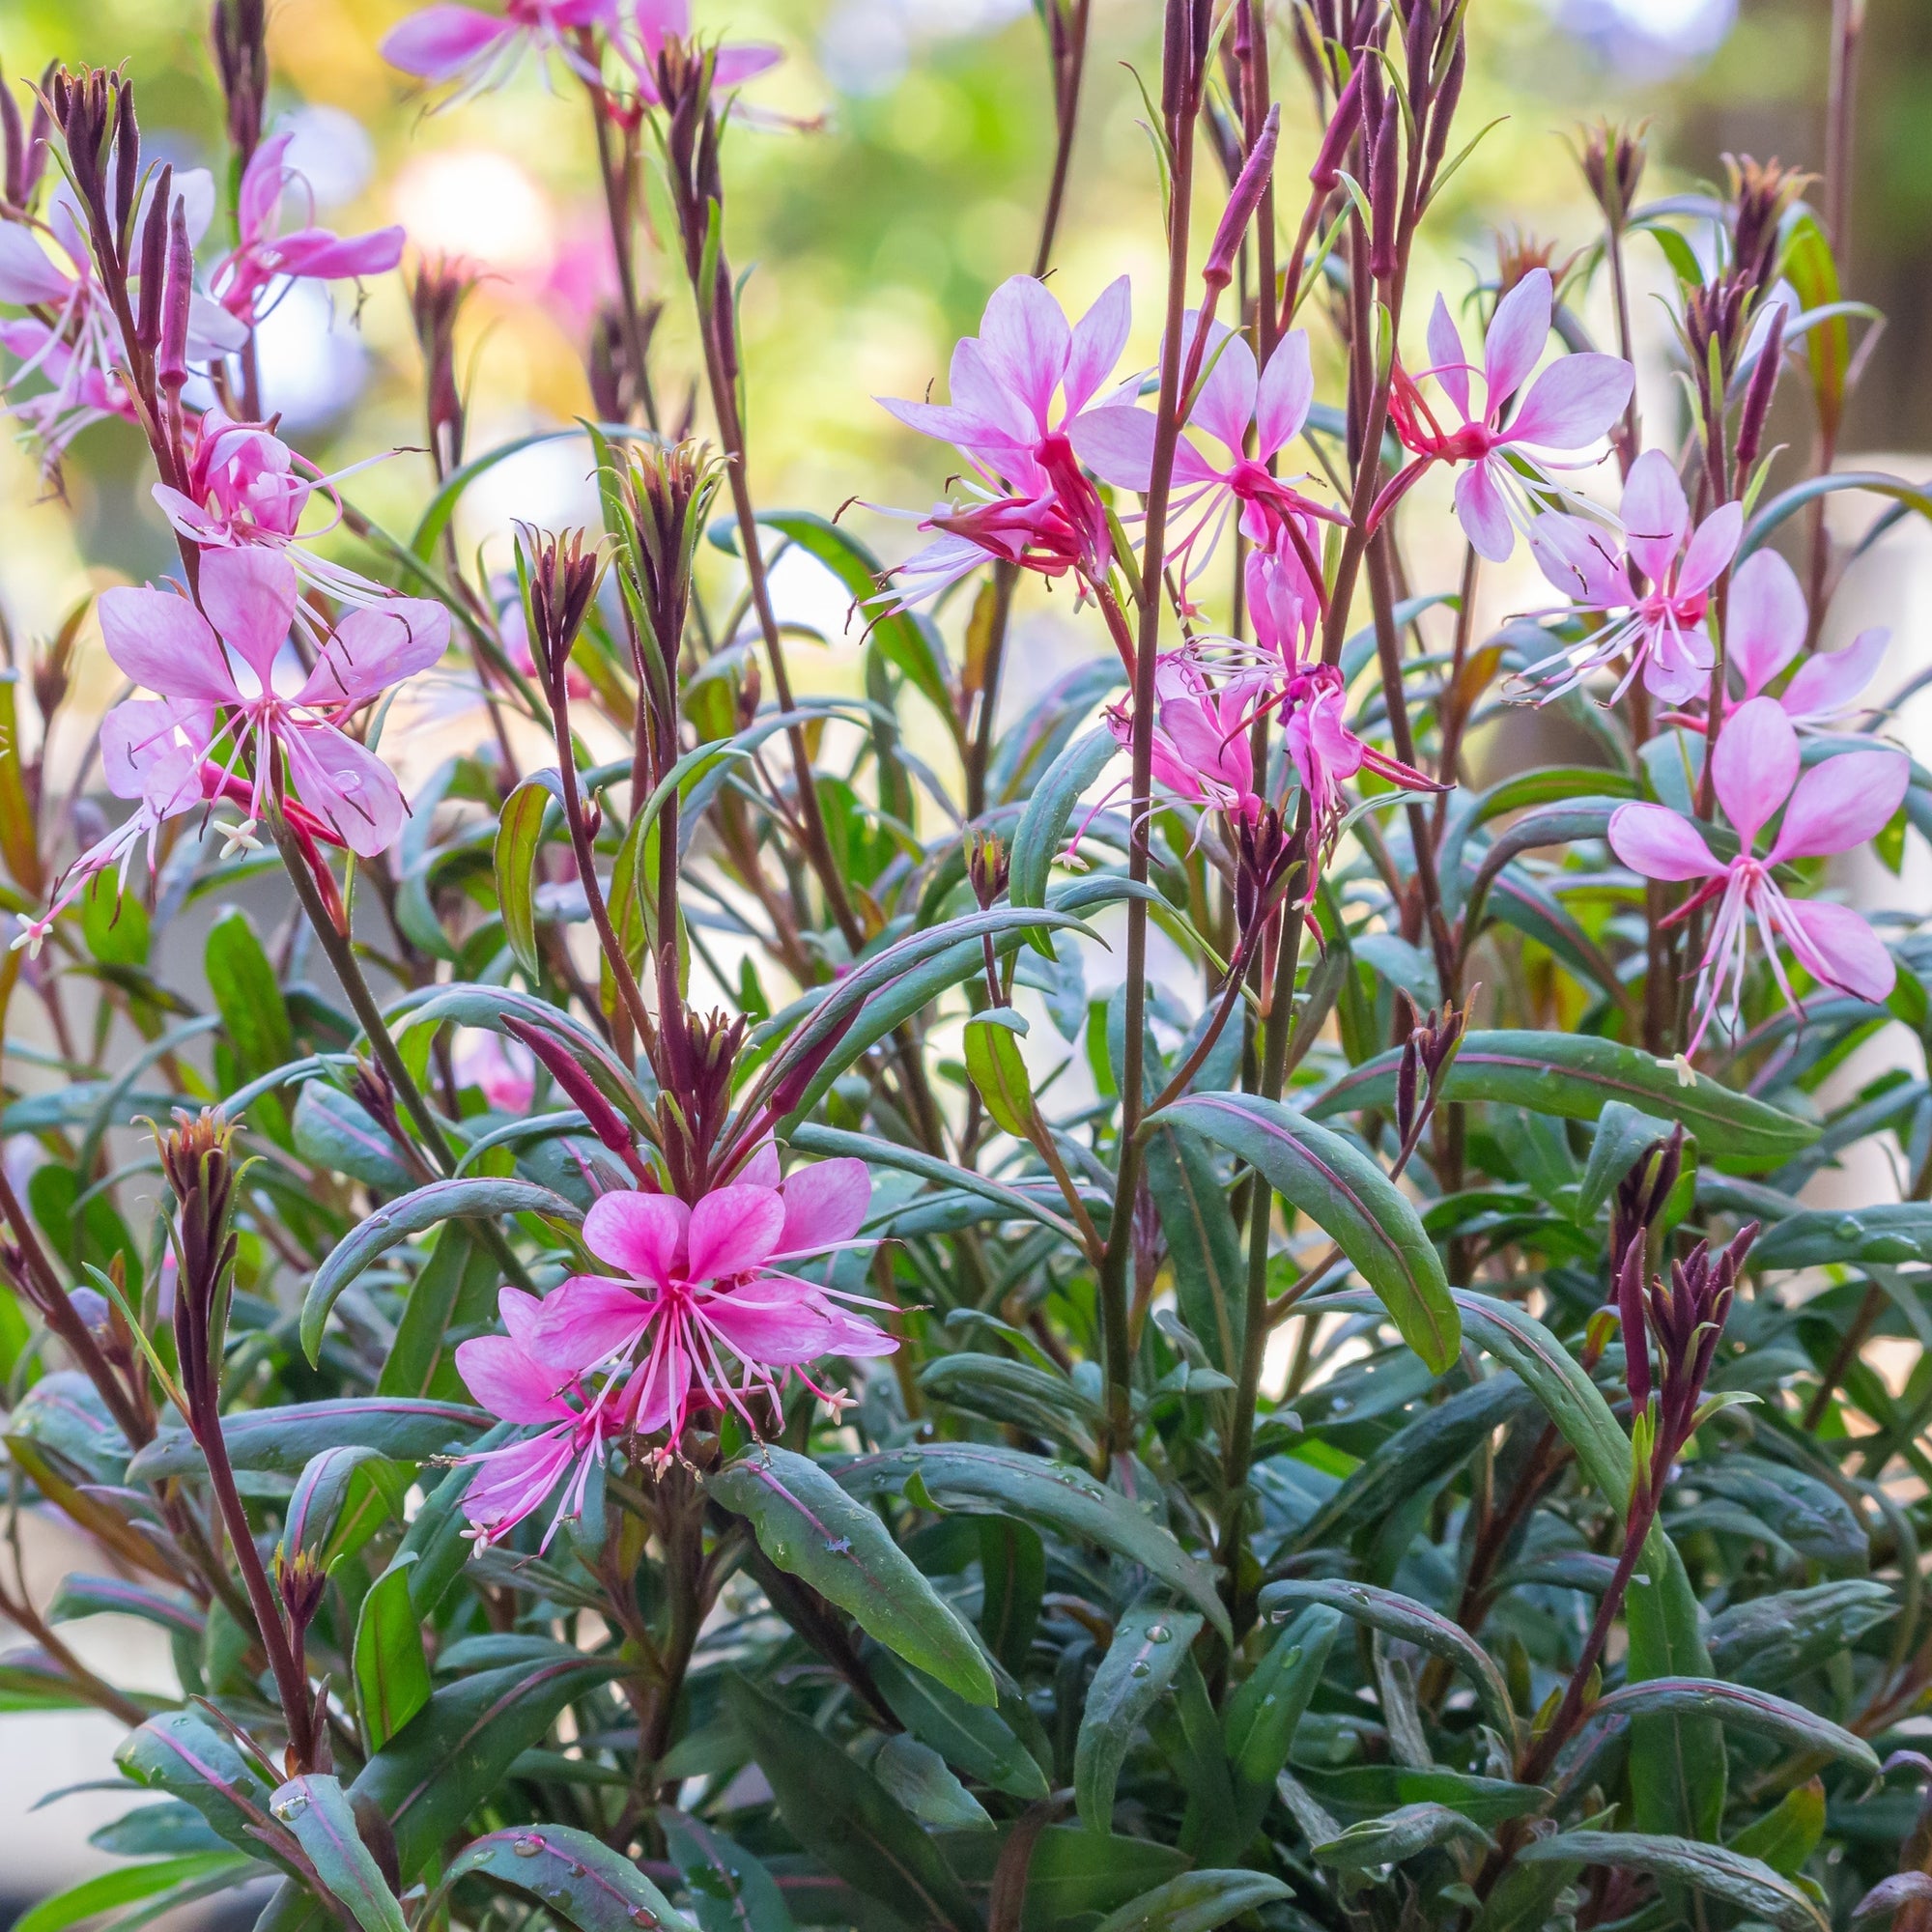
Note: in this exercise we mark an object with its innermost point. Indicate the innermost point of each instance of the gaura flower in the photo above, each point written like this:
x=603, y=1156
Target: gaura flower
x=504, y=1073
x=513, y=1481
x=1504, y=482
x=1768, y=621
x=1834, y=807
x=1117, y=443
x=1201, y=738
x=655, y=25
x=248, y=601
x=1019, y=390
x=1662, y=627
x=265, y=255
x=700, y=1310
x=479, y=51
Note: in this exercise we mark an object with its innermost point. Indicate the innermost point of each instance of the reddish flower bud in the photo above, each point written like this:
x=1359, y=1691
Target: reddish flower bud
x=602, y=1118
x=1758, y=392
x=154, y=261
x=1385, y=197
x=171, y=363
x=1326, y=173
x=1254, y=177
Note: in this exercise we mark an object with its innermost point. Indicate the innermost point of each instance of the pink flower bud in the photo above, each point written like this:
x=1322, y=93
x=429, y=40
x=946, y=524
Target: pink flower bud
x=1326, y=173
x=171, y=366
x=1254, y=177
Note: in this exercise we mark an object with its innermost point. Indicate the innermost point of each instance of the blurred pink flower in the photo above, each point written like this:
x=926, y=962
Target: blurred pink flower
x=1662, y=628
x=506, y=1074
x=1837, y=805
x=479, y=51
x=263, y=254
x=655, y=24
x=1201, y=738
x=1116, y=441
x=1568, y=407
x=698, y=1288
x=1768, y=621
x=164, y=642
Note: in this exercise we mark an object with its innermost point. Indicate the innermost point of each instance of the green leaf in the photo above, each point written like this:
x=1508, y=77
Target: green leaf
x=1886, y=1232
x=79, y=1596
x=730, y=1891
x=321, y=1490
x=1197, y=1902
x=182, y=1753
x=1402, y=1835
x=840, y=1814
x=978, y=1477
x=101, y=1894
x=1788, y=503
x=1746, y=1882
x=1044, y=823
x=1756, y=1712
x=1203, y=1242
x=573, y=1875
x=812, y=1529
x=998, y=1069
x=114, y=924
x=316, y=1809
x=1788, y=1833
x=518, y=836
x=969, y=1737
x=1623, y=1133
x=1013, y=1564
x=440, y=1201
x=925, y=1783
x=282, y=1440
x=1345, y=1194
x=1258, y=1723
x=1149, y=1645
x=456, y=1285
x=392, y=1671
x=247, y=995
x=456, y=1752
x=1575, y=1077
x=336, y=1133
x=1399, y=1616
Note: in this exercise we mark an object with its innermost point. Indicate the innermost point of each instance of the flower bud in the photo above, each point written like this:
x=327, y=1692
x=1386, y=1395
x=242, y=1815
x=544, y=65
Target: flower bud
x=1613, y=160
x=1385, y=197
x=1758, y=392
x=154, y=261
x=1253, y=179
x=439, y=291
x=171, y=360
x=602, y=1118
x=1326, y=173
x=238, y=32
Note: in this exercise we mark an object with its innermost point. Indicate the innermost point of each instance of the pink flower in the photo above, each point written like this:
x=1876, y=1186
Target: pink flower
x=659, y=23
x=1834, y=807
x=1568, y=407
x=512, y=1384
x=80, y=393
x=265, y=254
x=1117, y=443
x=481, y=1059
x=1201, y=739
x=1768, y=621
x=699, y=1288
x=1662, y=627
x=478, y=50
x=1019, y=390
x=248, y=597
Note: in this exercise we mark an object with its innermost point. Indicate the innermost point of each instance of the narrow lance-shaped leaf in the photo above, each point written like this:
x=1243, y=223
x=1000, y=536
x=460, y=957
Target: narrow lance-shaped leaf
x=1149, y=1645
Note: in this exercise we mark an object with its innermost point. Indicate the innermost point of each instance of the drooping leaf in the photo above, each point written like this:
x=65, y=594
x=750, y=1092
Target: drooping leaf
x=316, y=1809
x=573, y=1875
x=283, y=1440
x=1712, y=1869
x=1197, y=1901
x=1149, y=1645
x=969, y=1737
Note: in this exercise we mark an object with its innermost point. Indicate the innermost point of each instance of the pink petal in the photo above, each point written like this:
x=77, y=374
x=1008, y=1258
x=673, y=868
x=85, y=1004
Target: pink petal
x=1654, y=515
x=1713, y=546
x=1117, y=445
x=164, y=642
x=1448, y=357
x=28, y=273
x=856, y=1336
x=748, y=59
x=1654, y=841
x=762, y=1169
x=979, y=386
x=1828, y=683
x=1754, y=766
x=507, y=1382
x=249, y=596
x=588, y=1318
x=374, y=646
x=152, y=748
x=1833, y=943
x=768, y=1332
x=347, y=785
x=1283, y=397
x=733, y=1230
x=1840, y=803
x=824, y=1204
x=1481, y=511
x=1025, y=337
x=327, y=257
x=513, y=1480
x=260, y=200
x=1766, y=617
x=1227, y=402
x=1517, y=335
x=440, y=41
x=642, y=1234
x=1098, y=337
x=937, y=419
x=1677, y=665
x=1580, y=560
x=1573, y=402
x=517, y=1310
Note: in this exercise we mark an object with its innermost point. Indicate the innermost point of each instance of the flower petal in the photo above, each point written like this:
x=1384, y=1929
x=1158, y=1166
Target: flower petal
x=1655, y=514
x=1833, y=943
x=1516, y=334
x=28, y=273
x=1713, y=546
x=152, y=748
x=1841, y=803
x=1024, y=336
x=733, y=1230
x=1827, y=684
x=1580, y=560
x=1227, y=400
x=1115, y=442
x=1766, y=615
x=1286, y=390
x=1447, y=357
x=164, y=642
x=1654, y=841
x=587, y=1319
x=249, y=596
x=1573, y=402
x=1098, y=337
x=507, y=1382
x=824, y=1204
x=768, y=1331
x=1754, y=766
x=374, y=646
x=642, y=1234
x=347, y=786
x=1481, y=511
x=439, y=42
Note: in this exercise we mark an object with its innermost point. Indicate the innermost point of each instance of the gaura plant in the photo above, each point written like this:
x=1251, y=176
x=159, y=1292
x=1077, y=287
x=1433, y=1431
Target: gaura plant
x=659, y=1359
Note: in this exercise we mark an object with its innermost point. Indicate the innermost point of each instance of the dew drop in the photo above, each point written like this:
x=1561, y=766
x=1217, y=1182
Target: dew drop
x=1849, y=1228
x=290, y=1809
x=575, y=1870
x=644, y=1916
x=526, y=1848
x=1159, y=1633
x=1140, y=1667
